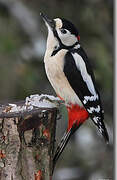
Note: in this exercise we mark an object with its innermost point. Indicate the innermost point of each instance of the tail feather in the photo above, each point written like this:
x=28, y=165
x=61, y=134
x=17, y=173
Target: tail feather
x=98, y=121
x=61, y=146
x=76, y=116
x=106, y=136
x=64, y=142
x=103, y=131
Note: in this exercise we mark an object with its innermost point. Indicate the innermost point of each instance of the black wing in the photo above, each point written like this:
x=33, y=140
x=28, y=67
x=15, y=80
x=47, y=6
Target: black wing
x=79, y=73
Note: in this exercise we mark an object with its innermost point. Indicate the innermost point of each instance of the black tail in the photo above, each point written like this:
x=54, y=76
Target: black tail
x=104, y=132
x=98, y=121
x=64, y=142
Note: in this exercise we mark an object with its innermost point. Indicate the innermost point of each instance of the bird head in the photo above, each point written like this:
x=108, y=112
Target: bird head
x=62, y=31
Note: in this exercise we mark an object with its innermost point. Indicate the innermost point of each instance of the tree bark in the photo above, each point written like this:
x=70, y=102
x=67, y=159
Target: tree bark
x=27, y=144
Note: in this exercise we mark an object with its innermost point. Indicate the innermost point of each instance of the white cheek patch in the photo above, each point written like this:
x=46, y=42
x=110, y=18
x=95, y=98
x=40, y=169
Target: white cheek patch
x=67, y=39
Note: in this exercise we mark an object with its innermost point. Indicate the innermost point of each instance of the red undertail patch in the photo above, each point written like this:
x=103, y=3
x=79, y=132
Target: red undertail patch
x=76, y=114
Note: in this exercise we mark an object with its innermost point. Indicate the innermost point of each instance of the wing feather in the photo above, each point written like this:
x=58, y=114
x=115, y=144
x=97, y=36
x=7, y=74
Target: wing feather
x=79, y=73
x=80, y=76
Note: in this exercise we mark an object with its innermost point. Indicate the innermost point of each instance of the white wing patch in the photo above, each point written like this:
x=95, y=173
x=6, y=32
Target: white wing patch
x=92, y=109
x=86, y=77
x=90, y=98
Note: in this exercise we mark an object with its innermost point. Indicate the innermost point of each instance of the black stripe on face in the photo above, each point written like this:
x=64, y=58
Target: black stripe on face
x=61, y=45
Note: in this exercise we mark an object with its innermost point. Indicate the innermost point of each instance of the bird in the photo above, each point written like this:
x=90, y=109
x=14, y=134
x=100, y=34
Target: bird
x=70, y=73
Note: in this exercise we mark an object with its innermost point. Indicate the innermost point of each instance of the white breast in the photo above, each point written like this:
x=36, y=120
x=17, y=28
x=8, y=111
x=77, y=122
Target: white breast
x=54, y=70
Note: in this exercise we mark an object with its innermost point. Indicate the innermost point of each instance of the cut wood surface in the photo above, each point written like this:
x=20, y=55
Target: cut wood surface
x=27, y=142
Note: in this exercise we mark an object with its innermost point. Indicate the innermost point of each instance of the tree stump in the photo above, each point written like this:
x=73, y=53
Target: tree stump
x=27, y=142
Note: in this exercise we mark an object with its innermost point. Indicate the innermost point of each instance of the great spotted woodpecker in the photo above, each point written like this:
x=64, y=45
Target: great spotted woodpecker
x=69, y=72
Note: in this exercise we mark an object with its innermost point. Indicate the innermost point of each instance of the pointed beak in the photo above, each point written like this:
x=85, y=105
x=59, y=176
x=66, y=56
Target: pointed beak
x=50, y=22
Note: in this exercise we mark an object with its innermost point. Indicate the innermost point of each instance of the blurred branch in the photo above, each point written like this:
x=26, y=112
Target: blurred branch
x=30, y=25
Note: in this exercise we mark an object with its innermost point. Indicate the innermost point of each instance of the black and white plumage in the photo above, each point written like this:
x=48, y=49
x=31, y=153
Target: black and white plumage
x=69, y=70
x=79, y=73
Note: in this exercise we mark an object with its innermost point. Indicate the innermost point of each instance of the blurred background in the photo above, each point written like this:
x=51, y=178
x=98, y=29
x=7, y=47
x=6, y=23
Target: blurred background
x=22, y=47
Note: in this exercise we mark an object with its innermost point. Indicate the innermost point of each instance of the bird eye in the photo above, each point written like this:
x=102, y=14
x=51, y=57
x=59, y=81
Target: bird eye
x=63, y=31
x=56, y=47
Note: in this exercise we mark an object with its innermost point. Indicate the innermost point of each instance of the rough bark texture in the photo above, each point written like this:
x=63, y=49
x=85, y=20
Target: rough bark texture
x=27, y=144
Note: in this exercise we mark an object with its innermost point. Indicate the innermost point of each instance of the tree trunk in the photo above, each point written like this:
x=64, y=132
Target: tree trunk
x=27, y=143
